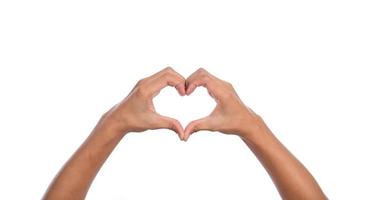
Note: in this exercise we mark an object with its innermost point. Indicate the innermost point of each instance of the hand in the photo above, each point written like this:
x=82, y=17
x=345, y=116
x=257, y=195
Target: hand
x=136, y=113
x=230, y=115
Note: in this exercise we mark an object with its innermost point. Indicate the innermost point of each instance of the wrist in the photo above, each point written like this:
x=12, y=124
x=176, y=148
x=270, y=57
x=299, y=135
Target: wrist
x=253, y=130
x=104, y=135
x=112, y=126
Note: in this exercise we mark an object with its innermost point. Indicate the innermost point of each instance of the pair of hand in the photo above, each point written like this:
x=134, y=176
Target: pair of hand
x=136, y=113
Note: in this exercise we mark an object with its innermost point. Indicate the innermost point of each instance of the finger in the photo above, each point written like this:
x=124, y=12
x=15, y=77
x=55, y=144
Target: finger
x=152, y=77
x=159, y=73
x=197, y=125
x=201, y=78
x=167, y=79
x=169, y=71
x=181, y=86
x=164, y=122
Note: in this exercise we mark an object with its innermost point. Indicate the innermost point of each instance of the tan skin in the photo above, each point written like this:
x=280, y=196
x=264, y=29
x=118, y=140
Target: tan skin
x=136, y=113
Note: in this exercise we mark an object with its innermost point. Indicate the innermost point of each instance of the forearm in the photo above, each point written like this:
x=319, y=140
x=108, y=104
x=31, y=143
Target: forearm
x=74, y=179
x=292, y=179
x=135, y=113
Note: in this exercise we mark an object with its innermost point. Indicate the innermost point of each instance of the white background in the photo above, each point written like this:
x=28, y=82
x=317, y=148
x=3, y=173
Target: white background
x=304, y=66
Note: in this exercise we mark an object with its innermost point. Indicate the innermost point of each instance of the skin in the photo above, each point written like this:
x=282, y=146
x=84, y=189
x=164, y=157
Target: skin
x=136, y=113
x=231, y=116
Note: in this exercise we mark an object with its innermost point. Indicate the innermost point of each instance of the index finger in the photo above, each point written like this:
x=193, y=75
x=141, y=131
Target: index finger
x=201, y=77
x=167, y=77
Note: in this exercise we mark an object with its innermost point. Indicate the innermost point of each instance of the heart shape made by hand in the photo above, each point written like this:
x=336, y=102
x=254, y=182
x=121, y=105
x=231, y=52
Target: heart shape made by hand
x=225, y=117
x=184, y=108
x=137, y=113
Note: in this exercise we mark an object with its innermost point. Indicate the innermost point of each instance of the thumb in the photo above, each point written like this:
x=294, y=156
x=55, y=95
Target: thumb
x=169, y=123
x=197, y=125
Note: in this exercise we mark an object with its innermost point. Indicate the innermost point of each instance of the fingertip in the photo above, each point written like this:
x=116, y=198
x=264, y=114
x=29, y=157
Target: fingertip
x=183, y=92
x=188, y=130
x=187, y=137
x=181, y=89
x=174, y=125
x=179, y=134
x=190, y=89
x=179, y=129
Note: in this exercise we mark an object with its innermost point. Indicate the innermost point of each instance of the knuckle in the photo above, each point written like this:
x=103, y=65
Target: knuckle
x=229, y=84
x=205, y=77
x=142, y=91
x=196, y=125
x=226, y=95
x=168, y=73
x=172, y=123
x=168, y=70
x=201, y=70
x=166, y=76
x=141, y=82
